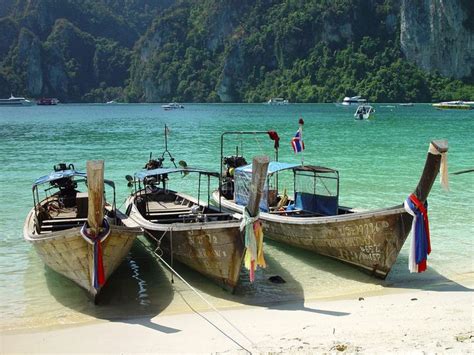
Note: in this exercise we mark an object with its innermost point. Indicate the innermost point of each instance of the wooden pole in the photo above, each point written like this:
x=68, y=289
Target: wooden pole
x=430, y=171
x=259, y=175
x=95, y=186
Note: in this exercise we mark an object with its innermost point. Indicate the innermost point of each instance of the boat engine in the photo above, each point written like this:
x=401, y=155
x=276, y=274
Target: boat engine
x=66, y=185
x=230, y=163
x=154, y=164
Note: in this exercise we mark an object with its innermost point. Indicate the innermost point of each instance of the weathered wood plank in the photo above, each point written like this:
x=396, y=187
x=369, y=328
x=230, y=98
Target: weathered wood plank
x=259, y=175
x=95, y=186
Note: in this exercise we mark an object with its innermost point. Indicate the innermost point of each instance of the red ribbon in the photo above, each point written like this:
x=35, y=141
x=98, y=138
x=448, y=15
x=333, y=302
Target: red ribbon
x=100, y=264
x=274, y=137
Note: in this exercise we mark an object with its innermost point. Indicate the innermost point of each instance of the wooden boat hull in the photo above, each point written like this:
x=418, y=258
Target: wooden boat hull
x=214, y=249
x=67, y=253
x=368, y=240
x=215, y=253
x=371, y=243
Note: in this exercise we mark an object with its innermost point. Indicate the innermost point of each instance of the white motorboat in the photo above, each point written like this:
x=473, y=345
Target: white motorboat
x=364, y=112
x=353, y=100
x=172, y=106
x=15, y=101
x=277, y=101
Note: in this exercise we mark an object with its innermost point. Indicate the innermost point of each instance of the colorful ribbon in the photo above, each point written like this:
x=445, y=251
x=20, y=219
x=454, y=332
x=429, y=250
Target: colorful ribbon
x=98, y=276
x=420, y=245
x=253, y=242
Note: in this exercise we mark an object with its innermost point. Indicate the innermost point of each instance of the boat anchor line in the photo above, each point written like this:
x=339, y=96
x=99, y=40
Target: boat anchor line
x=158, y=251
x=173, y=271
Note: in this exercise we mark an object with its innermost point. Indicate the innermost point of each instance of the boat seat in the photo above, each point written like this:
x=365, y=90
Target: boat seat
x=168, y=213
x=286, y=212
x=58, y=227
x=174, y=213
x=182, y=219
x=64, y=220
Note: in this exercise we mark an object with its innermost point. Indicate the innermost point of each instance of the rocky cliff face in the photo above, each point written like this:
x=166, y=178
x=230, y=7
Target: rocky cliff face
x=434, y=37
x=29, y=59
x=223, y=50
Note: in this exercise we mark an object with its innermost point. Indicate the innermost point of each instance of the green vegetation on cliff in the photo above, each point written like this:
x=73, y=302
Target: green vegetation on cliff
x=213, y=51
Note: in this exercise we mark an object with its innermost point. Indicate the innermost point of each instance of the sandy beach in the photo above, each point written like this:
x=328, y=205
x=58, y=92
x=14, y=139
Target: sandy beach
x=438, y=320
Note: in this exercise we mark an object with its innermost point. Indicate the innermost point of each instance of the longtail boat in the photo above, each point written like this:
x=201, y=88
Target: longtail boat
x=312, y=218
x=185, y=228
x=78, y=234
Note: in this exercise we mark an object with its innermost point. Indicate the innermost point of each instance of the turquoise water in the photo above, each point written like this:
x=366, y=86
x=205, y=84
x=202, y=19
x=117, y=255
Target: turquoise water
x=379, y=162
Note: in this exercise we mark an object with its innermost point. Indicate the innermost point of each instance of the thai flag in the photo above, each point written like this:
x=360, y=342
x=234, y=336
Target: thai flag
x=297, y=142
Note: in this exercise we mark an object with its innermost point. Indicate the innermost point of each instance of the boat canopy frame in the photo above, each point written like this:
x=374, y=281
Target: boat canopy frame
x=327, y=203
x=273, y=135
x=160, y=175
x=64, y=174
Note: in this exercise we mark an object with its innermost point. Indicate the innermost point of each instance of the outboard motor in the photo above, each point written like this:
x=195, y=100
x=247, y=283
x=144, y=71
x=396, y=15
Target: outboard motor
x=230, y=163
x=154, y=164
x=67, y=186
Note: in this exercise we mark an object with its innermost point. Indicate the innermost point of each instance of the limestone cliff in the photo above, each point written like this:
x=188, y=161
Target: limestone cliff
x=236, y=51
x=29, y=60
x=432, y=35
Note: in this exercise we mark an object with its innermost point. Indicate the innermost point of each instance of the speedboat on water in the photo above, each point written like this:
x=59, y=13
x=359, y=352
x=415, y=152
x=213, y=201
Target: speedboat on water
x=172, y=106
x=15, y=101
x=277, y=101
x=46, y=101
x=353, y=100
x=453, y=105
x=364, y=112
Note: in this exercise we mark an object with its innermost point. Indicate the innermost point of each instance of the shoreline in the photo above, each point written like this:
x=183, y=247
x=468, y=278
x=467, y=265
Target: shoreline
x=389, y=320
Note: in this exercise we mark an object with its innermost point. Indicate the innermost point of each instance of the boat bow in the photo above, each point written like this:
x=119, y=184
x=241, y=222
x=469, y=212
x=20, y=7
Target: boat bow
x=436, y=160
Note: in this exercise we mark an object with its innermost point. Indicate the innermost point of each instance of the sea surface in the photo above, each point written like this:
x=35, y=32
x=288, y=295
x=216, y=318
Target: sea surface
x=379, y=161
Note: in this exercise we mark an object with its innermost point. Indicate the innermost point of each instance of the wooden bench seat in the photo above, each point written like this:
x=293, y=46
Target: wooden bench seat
x=64, y=220
x=169, y=210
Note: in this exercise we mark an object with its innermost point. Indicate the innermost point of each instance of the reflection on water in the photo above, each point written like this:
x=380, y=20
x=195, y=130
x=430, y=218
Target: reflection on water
x=141, y=288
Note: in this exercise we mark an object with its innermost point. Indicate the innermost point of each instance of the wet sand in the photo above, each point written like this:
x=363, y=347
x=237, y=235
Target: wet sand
x=438, y=319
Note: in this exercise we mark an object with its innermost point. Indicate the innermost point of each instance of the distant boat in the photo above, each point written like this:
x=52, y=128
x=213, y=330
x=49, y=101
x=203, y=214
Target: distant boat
x=172, y=106
x=47, y=101
x=277, y=101
x=111, y=102
x=406, y=104
x=364, y=112
x=353, y=100
x=453, y=105
x=15, y=101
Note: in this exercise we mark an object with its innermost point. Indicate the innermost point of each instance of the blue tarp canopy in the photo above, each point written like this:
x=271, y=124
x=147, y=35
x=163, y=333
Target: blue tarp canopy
x=161, y=171
x=273, y=167
x=57, y=175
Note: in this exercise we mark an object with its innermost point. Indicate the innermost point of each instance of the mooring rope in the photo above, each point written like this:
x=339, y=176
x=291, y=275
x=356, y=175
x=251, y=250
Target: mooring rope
x=209, y=304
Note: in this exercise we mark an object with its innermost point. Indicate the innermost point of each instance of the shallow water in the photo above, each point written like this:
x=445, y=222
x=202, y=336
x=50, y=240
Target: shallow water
x=379, y=162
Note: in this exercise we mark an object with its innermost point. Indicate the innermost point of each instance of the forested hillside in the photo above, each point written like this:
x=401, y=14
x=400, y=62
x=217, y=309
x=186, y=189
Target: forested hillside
x=237, y=51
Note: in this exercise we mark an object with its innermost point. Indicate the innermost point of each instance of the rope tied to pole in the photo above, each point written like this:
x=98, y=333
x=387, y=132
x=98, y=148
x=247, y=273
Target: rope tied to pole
x=253, y=242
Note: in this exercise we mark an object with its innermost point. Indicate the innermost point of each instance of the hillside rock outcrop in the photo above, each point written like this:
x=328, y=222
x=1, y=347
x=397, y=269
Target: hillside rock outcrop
x=432, y=35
